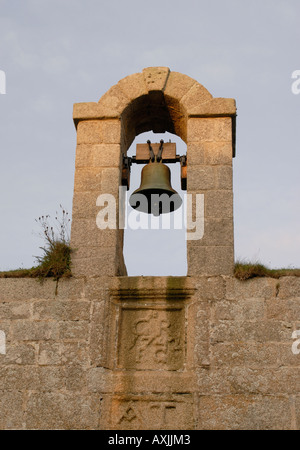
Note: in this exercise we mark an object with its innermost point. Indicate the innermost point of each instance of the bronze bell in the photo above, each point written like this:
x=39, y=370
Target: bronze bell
x=158, y=195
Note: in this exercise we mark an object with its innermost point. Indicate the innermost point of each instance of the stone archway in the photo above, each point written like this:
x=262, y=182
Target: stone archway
x=159, y=100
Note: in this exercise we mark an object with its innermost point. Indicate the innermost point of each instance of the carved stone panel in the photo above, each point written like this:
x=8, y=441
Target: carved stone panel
x=152, y=412
x=151, y=338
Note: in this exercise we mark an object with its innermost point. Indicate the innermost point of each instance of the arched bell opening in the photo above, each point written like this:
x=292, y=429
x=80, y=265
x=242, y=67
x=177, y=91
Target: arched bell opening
x=155, y=246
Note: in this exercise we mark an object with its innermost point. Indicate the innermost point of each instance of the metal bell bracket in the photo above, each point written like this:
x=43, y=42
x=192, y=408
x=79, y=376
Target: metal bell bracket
x=170, y=159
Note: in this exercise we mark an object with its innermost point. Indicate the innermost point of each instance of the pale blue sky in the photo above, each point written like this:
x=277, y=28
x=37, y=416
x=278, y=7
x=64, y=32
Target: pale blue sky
x=59, y=52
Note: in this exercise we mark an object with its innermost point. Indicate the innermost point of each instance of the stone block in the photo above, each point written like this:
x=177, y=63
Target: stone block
x=209, y=129
x=219, y=204
x=210, y=261
x=107, y=155
x=210, y=288
x=28, y=330
x=70, y=289
x=215, y=107
x=22, y=354
x=196, y=96
x=61, y=310
x=85, y=233
x=11, y=410
x=209, y=153
x=244, y=412
x=152, y=412
x=84, y=205
x=89, y=132
x=217, y=232
x=99, y=131
x=113, y=102
x=74, y=353
x=178, y=85
x=18, y=378
x=156, y=78
x=15, y=310
x=74, y=330
x=133, y=86
x=223, y=177
x=97, y=155
x=75, y=379
x=200, y=178
x=24, y=289
x=256, y=355
x=61, y=411
x=246, y=330
x=87, y=180
x=49, y=354
x=84, y=156
x=99, y=338
x=289, y=287
x=248, y=309
x=110, y=182
x=104, y=264
x=287, y=309
x=297, y=412
x=254, y=288
x=198, y=353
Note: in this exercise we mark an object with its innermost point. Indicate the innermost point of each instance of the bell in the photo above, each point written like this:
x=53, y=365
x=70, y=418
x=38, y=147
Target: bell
x=155, y=194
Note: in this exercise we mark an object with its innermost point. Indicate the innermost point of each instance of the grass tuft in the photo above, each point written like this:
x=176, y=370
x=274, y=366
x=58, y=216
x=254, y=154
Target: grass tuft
x=56, y=258
x=247, y=270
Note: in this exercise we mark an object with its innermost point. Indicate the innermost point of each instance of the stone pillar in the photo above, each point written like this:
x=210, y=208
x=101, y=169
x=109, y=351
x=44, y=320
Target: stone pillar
x=97, y=171
x=209, y=172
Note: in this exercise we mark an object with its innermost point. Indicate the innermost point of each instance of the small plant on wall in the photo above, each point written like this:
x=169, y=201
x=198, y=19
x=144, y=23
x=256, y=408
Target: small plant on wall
x=56, y=259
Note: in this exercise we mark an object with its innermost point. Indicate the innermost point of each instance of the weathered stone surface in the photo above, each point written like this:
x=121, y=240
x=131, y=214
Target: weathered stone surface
x=84, y=205
x=15, y=289
x=134, y=86
x=248, y=309
x=196, y=96
x=18, y=353
x=210, y=260
x=15, y=310
x=97, y=155
x=214, y=107
x=11, y=410
x=289, y=287
x=62, y=411
x=287, y=309
x=241, y=412
x=200, y=178
x=246, y=330
x=152, y=412
x=61, y=310
x=151, y=339
x=209, y=153
x=28, y=330
x=254, y=288
x=87, y=180
x=156, y=78
x=209, y=129
x=99, y=131
x=218, y=204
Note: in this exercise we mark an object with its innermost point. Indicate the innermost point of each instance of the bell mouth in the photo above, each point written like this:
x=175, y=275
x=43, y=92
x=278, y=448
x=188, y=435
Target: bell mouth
x=155, y=201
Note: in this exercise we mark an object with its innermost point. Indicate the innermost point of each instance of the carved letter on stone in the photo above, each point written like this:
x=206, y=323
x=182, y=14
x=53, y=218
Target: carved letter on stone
x=151, y=339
